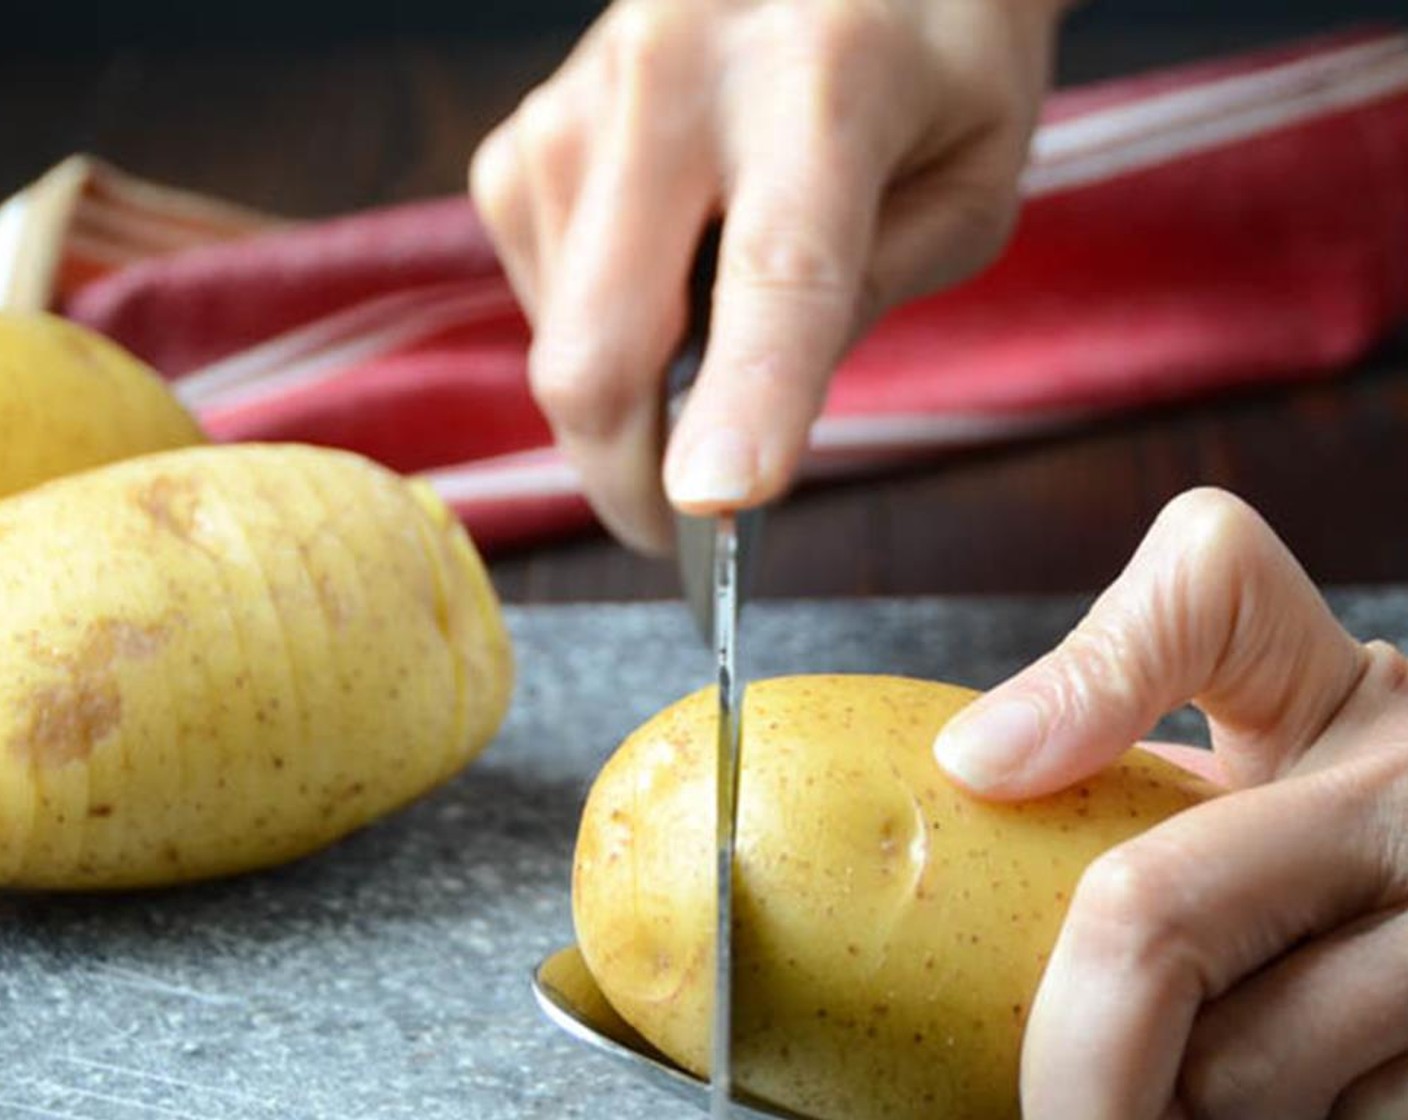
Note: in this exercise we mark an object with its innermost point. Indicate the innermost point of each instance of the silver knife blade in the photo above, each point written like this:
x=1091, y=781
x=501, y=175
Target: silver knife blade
x=726, y=607
x=711, y=552
x=696, y=545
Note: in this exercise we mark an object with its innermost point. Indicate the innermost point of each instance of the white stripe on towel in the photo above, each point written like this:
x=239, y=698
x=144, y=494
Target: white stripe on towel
x=1124, y=138
x=313, y=353
x=838, y=444
x=12, y=226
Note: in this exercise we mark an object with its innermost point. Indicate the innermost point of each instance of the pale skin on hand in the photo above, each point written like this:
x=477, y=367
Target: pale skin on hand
x=859, y=151
x=1244, y=959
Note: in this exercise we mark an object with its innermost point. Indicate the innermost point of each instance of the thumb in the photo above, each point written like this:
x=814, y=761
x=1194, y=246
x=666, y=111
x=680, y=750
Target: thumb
x=1212, y=609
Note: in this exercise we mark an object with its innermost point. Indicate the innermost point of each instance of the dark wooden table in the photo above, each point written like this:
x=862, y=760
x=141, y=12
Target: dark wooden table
x=319, y=129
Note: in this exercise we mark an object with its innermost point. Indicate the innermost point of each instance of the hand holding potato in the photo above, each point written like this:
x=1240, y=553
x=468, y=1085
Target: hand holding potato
x=1244, y=959
x=860, y=152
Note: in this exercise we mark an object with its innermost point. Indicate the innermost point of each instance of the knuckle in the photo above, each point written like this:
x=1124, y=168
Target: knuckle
x=788, y=261
x=547, y=122
x=840, y=69
x=987, y=215
x=574, y=386
x=839, y=32
x=639, y=39
x=1387, y=668
x=983, y=220
x=1381, y=1093
x=493, y=175
x=1204, y=504
x=1130, y=905
x=854, y=30
x=1210, y=521
x=1228, y=1079
x=1221, y=553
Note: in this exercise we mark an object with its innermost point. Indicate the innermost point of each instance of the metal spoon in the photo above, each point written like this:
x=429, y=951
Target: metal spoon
x=571, y=1000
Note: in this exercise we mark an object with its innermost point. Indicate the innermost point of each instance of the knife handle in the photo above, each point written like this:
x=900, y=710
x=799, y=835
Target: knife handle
x=684, y=369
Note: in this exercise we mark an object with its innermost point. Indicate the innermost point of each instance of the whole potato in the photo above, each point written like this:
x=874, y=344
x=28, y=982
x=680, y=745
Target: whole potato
x=70, y=400
x=890, y=929
x=220, y=658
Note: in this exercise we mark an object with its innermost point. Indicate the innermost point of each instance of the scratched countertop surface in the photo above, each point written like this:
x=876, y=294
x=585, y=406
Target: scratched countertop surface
x=388, y=976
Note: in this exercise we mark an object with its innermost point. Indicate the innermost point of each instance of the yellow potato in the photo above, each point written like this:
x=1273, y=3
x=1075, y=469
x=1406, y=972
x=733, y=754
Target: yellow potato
x=890, y=930
x=70, y=400
x=220, y=658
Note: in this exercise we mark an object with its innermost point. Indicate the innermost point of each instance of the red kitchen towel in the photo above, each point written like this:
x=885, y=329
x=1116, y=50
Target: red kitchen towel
x=1227, y=223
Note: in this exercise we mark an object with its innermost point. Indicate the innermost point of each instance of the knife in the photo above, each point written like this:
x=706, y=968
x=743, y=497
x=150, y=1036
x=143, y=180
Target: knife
x=712, y=555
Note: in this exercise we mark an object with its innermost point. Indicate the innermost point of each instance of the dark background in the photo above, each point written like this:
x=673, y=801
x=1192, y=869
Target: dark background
x=51, y=24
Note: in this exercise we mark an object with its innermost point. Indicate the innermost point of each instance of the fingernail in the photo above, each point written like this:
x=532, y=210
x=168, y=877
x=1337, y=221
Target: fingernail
x=982, y=747
x=721, y=466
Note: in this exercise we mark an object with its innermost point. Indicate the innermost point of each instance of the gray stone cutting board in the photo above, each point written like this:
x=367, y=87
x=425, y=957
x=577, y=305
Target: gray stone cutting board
x=388, y=977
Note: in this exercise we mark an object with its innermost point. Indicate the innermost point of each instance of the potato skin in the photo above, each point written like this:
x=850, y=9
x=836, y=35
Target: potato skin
x=890, y=930
x=220, y=658
x=70, y=399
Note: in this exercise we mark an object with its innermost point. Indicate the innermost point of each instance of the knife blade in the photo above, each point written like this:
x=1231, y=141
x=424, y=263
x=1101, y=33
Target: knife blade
x=730, y=736
x=712, y=554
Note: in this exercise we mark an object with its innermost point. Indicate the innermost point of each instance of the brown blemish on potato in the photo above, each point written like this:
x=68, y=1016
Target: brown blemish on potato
x=64, y=719
x=172, y=504
x=111, y=638
x=889, y=842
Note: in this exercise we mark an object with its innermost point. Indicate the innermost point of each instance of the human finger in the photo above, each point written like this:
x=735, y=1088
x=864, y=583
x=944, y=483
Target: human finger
x=554, y=130
x=1288, y=1040
x=617, y=297
x=1212, y=608
x=1381, y=1094
x=946, y=221
x=499, y=187
x=1174, y=918
x=806, y=157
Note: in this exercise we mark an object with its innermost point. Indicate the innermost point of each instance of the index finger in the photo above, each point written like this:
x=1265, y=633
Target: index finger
x=797, y=234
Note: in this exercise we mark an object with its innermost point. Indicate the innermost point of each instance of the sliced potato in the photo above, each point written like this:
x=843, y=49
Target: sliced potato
x=220, y=658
